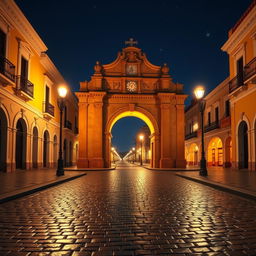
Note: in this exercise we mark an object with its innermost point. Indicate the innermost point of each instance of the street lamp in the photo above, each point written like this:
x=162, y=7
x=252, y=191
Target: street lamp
x=134, y=152
x=62, y=91
x=199, y=93
x=141, y=137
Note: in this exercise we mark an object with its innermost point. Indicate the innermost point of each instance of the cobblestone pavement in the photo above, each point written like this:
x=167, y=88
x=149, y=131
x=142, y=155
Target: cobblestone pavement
x=128, y=211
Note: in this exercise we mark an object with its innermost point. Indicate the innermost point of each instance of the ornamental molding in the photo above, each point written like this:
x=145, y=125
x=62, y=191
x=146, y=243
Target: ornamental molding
x=244, y=28
x=16, y=18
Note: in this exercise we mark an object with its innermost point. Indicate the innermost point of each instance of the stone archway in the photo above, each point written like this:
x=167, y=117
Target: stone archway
x=131, y=86
x=21, y=144
x=3, y=140
x=144, y=116
x=243, y=151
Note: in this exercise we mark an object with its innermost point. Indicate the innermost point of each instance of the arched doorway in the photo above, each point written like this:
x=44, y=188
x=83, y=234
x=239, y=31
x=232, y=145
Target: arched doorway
x=193, y=158
x=21, y=144
x=132, y=85
x=150, y=143
x=65, y=153
x=228, y=154
x=70, y=153
x=215, y=152
x=35, y=148
x=243, y=145
x=55, y=150
x=46, y=145
x=3, y=140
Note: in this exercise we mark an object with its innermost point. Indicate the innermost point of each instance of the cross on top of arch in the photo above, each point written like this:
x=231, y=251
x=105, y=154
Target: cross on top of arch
x=131, y=42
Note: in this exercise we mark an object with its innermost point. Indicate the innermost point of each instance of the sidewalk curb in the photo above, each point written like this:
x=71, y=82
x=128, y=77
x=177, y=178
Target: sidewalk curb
x=90, y=169
x=236, y=191
x=37, y=189
x=172, y=169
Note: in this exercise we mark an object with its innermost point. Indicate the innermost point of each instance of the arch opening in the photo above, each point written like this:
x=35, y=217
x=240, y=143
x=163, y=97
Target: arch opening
x=35, y=148
x=215, y=152
x=46, y=149
x=243, y=145
x=192, y=155
x=138, y=152
x=3, y=140
x=228, y=154
x=21, y=144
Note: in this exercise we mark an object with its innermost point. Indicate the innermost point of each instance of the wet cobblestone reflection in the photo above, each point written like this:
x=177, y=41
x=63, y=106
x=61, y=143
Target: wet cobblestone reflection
x=129, y=211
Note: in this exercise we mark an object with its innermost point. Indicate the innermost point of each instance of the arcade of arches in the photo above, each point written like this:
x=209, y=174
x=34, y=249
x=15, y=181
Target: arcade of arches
x=131, y=86
x=216, y=152
x=22, y=148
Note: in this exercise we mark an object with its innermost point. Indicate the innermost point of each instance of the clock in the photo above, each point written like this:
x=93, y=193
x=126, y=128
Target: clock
x=131, y=86
x=131, y=69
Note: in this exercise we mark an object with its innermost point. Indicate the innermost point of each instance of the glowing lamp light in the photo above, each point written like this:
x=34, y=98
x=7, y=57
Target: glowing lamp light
x=133, y=149
x=113, y=149
x=62, y=91
x=141, y=137
x=199, y=92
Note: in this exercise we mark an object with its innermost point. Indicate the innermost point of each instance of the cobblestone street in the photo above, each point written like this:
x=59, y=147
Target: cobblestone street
x=128, y=211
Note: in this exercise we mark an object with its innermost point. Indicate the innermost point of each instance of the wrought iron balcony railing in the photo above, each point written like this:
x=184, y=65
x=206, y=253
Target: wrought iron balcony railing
x=49, y=108
x=25, y=85
x=212, y=126
x=191, y=135
x=68, y=124
x=235, y=83
x=250, y=69
x=7, y=68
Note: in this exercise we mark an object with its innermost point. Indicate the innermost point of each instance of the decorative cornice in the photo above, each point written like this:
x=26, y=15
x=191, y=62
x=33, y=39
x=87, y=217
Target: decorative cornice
x=16, y=18
x=240, y=33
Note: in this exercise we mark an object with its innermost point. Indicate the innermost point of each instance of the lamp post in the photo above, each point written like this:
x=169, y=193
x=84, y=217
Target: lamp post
x=199, y=93
x=134, y=152
x=62, y=91
x=141, y=137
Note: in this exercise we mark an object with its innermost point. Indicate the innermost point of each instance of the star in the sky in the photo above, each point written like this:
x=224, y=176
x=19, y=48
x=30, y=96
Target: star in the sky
x=208, y=34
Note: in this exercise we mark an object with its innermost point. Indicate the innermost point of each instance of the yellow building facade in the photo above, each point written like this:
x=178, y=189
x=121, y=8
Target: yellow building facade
x=217, y=129
x=241, y=48
x=29, y=113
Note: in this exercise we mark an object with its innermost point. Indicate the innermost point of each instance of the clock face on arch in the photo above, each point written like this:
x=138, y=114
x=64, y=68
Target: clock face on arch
x=131, y=86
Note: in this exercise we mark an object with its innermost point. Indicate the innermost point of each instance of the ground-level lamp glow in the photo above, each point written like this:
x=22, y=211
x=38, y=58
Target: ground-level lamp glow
x=141, y=137
x=134, y=154
x=199, y=94
x=62, y=92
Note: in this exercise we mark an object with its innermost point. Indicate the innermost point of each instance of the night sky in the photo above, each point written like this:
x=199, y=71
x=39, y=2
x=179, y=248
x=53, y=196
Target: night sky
x=187, y=35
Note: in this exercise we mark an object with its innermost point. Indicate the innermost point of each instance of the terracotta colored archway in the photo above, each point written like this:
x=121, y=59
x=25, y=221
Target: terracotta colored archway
x=131, y=86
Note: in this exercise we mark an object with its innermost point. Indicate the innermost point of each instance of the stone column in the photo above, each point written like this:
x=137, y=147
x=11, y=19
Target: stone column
x=180, y=144
x=82, y=161
x=95, y=130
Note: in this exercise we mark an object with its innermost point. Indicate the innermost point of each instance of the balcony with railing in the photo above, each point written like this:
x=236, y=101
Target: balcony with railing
x=7, y=71
x=235, y=83
x=225, y=122
x=68, y=125
x=191, y=135
x=25, y=88
x=250, y=70
x=212, y=126
x=48, y=110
